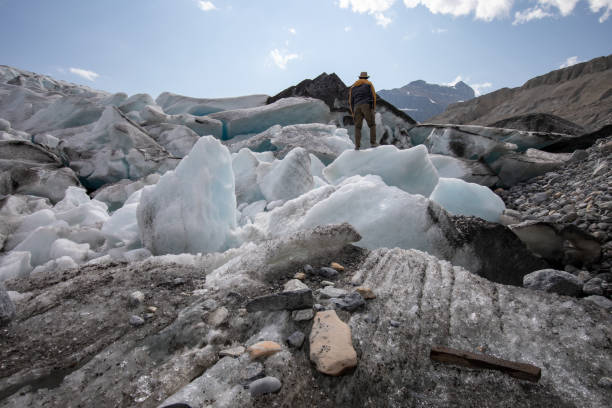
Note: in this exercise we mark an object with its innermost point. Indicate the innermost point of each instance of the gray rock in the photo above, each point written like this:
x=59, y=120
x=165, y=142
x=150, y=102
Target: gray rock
x=136, y=321
x=308, y=269
x=578, y=155
x=7, y=308
x=594, y=286
x=602, y=302
x=551, y=280
x=395, y=323
x=296, y=339
x=302, y=315
x=540, y=197
x=218, y=317
x=264, y=385
x=299, y=299
x=605, y=382
x=209, y=304
x=350, y=302
x=328, y=273
x=332, y=292
x=252, y=372
x=293, y=285
x=136, y=298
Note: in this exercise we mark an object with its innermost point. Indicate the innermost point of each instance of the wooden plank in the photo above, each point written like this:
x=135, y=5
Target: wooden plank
x=522, y=371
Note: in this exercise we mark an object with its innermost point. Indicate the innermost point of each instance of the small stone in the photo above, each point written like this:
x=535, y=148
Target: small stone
x=539, y=198
x=209, y=304
x=136, y=321
x=293, y=285
x=308, y=269
x=264, y=385
x=232, y=352
x=395, y=323
x=365, y=292
x=296, y=339
x=299, y=299
x=242, y=312
x=152, y=309
x=136, y=298
x=584, y=276
x=318, y=307
x=263, y=349
x=605, y=382
x=337, y=266
x=218, y=317
x=600, y=301
x=578, y=155
x=332, y=292
x=328, y=273
x=302, y=315
x=331, y=346
x=300, y=275
x=327, y=283
x=350, y=302
x=593, y=287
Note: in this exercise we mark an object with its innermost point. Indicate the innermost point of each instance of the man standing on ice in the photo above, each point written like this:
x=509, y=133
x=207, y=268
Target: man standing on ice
x=362, y=103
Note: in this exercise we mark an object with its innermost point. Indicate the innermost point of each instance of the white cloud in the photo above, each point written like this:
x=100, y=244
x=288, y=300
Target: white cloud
x=89, y=75
x=439, y=30
x=570, y=61
x=479, y=88
x=367, y=6
x=292, y=31
x=206, y=5
x=486, y=10
x=564, y=6
x=382, y=20
x=281, y=59
x=534, y=13
x=375, y=7
x=606, y=5
x=454, y=82
x=347, y=29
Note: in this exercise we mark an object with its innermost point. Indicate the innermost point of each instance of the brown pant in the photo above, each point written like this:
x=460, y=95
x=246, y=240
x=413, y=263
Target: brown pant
x=364, y=111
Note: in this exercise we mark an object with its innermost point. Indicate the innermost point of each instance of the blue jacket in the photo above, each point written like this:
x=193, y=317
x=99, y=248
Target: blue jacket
x=362, y=92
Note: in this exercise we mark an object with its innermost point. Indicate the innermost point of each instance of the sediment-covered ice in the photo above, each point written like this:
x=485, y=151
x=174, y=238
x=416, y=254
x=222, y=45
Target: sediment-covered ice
x=287, y=111
x=174, y=104
x=191, y=209
x=462, y=198
x=153, y=117
x=410, y=169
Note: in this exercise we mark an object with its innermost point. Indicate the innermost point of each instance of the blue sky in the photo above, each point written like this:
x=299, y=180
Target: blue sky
x=221, y=48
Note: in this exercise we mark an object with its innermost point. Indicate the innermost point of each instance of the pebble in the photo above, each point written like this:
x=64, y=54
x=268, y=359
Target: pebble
x=328, y=273
x=327, y=283
x=594, y=287
x=136, y=298
x=337, y=266
x=300, y=275
x=152, y=309
x=263, y=349
x=332, y=292
x=136, y=321
x=350, y=302
x=302, y=315
x=395, y=323
x=605, y=382
x=232, y=352
x=308, y=269
x=331, y=345
x=296, y=339
x=264, y=385
x=365, y=292
x=293, y=285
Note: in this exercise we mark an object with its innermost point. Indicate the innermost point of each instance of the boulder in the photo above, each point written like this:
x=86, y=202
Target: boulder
x=551, y=280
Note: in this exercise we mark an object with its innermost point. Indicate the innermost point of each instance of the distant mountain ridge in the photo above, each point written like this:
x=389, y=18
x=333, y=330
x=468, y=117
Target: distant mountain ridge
x=581, y=93
x=422, y=100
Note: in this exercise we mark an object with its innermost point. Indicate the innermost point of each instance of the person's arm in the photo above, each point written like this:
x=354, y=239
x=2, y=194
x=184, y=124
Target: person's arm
x=373, y=97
